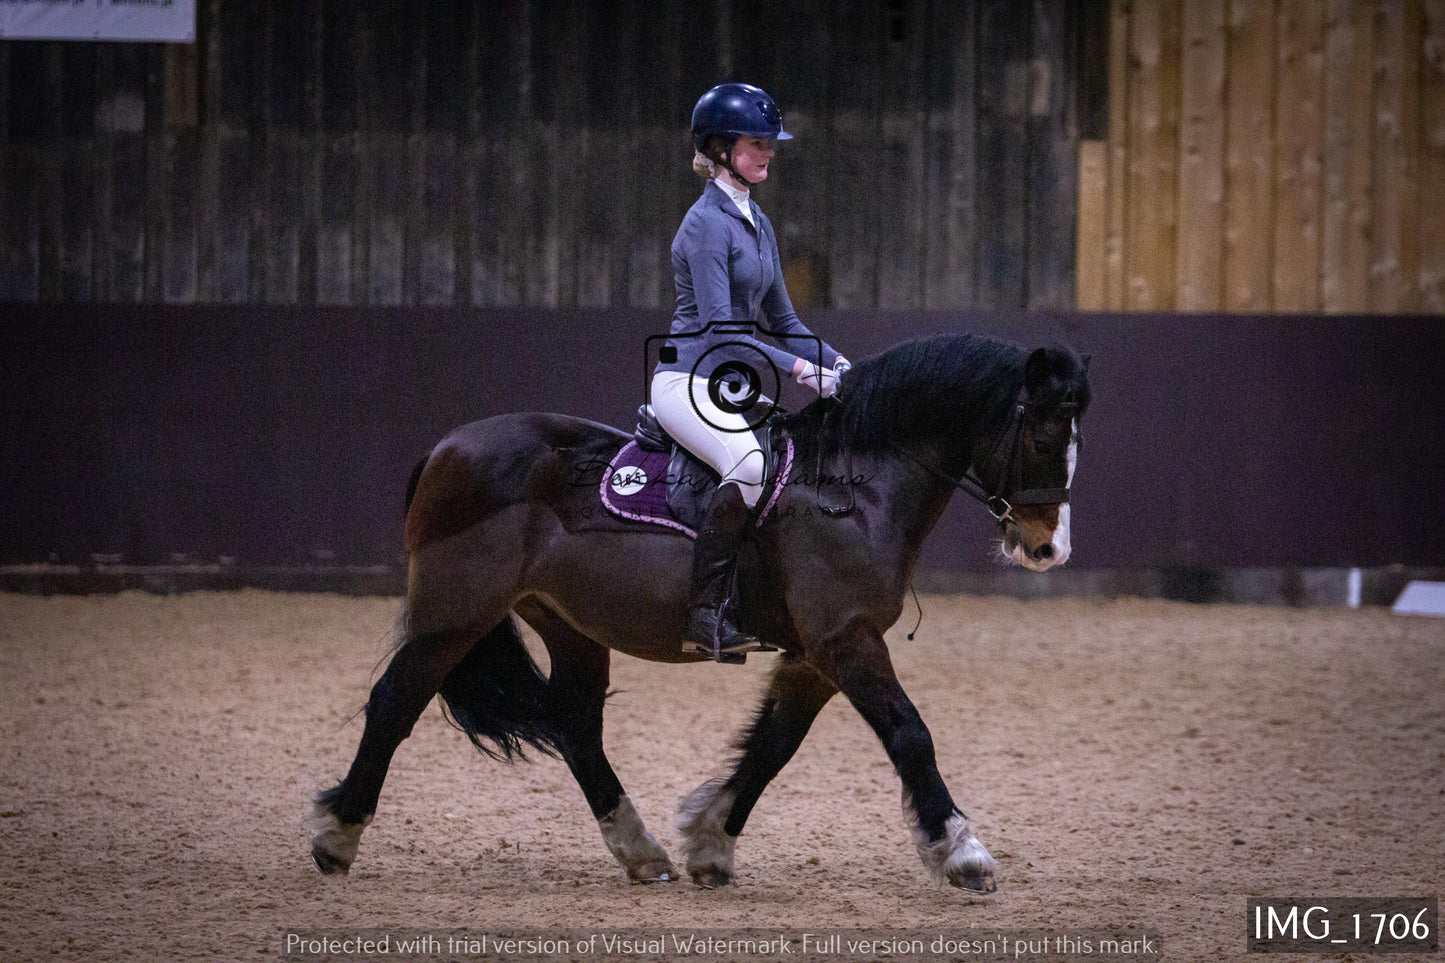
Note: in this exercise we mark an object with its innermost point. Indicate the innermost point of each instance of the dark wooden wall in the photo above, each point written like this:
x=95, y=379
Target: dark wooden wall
x=446, y=152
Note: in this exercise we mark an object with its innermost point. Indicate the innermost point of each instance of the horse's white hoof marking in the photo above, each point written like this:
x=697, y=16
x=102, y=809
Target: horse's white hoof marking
x=334, y=843
x=706, y=843
x=629, y=841
x=958, y=858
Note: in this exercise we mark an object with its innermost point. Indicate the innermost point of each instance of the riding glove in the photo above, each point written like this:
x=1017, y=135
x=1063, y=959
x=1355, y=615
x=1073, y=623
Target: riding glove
x=809, y=375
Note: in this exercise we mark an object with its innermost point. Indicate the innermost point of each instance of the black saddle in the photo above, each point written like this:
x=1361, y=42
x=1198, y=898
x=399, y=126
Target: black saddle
x=690, y=480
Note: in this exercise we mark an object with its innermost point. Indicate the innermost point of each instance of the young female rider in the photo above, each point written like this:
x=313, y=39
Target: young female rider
x=726, y=266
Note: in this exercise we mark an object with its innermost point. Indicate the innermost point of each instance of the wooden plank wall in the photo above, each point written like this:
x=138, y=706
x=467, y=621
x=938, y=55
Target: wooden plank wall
x=448, y=152
x=1268, y=155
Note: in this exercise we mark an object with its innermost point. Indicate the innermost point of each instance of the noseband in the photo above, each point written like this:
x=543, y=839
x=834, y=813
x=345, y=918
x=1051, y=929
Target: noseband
x=1007, y=462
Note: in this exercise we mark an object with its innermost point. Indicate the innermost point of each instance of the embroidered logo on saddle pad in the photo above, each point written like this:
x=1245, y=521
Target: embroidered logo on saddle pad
x=636, y=483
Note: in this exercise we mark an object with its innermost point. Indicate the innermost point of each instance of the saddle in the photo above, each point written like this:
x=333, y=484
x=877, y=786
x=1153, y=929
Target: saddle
x=690, y=481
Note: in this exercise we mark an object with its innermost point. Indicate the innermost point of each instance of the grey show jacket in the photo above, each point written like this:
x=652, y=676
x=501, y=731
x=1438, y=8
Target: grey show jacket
x=728, y=273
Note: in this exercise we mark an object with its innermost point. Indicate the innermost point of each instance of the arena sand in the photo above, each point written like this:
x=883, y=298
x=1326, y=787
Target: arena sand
x=1133, y=765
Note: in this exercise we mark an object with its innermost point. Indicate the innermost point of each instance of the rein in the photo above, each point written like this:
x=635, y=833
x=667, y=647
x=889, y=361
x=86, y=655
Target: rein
x=1011, y=492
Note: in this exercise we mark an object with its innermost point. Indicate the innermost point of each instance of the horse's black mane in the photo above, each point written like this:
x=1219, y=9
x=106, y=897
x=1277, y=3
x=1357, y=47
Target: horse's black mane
x=960, y=383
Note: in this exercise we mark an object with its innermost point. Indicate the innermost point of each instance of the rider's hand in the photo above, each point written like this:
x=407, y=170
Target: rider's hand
x=822, y=380
x=840, y=366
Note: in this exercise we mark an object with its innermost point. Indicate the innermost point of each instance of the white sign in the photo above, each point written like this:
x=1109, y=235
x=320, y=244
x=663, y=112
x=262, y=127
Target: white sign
x=172, y=21
x=1421, y=598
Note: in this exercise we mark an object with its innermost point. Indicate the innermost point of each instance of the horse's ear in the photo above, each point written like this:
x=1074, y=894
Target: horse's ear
x=1036, y=372
x=1086, y=363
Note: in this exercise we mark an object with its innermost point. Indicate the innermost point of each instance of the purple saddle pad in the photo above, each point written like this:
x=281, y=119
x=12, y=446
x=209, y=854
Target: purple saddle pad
x=635, y=488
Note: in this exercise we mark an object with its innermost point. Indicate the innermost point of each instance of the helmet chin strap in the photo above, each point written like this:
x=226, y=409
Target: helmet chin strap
x=727, y=161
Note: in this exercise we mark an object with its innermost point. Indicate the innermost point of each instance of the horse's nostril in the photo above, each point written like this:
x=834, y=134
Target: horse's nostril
x=1044, y=551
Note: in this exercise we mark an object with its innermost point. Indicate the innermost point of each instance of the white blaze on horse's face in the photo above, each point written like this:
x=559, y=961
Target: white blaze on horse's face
x=1051, y=544
x=1061, y=531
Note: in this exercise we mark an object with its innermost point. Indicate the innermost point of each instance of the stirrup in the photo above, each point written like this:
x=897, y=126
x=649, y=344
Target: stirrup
x=741, y=648
x=725, y=658
x=734, y=656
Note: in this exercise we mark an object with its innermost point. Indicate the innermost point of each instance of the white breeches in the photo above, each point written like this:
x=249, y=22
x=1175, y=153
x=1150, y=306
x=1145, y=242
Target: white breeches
x=735, y=455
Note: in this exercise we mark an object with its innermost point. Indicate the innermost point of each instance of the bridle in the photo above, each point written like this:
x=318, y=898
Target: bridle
x=1010, y=493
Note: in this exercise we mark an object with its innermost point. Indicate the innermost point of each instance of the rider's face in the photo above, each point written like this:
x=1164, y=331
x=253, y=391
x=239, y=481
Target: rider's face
x=751, y=156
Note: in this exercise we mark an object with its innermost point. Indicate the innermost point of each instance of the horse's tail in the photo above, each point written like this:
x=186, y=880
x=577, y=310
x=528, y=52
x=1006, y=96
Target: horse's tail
x=500, y=699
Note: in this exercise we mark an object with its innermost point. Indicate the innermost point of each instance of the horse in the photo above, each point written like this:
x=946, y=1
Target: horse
x=499, y=527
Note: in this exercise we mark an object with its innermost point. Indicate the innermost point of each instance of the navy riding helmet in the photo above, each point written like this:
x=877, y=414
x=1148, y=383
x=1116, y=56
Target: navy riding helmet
x=731, y=111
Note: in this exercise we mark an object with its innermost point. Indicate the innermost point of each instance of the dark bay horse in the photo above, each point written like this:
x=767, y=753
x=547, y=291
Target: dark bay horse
x=502, y=520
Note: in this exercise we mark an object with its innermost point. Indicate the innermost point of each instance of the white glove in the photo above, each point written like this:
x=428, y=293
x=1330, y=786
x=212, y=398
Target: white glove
x=841, y=365
x=822, y=380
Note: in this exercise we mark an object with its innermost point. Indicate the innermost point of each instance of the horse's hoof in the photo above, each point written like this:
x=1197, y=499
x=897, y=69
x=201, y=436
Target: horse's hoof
x=334, y=843
x=328, y=864
x=656, y=871
x=971, y=867
x=975, y=881
x=711, y=878
x=633, y=846
x=706, y=842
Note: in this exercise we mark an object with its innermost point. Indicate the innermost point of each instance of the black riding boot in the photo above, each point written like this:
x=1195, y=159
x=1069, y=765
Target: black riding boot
x=708, y=628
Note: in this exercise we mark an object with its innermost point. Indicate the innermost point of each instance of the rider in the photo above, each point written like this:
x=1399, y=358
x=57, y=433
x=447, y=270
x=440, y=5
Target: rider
x=727, y=271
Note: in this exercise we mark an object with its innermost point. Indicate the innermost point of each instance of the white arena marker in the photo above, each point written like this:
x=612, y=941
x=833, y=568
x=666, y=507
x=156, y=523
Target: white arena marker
x=1421, y=598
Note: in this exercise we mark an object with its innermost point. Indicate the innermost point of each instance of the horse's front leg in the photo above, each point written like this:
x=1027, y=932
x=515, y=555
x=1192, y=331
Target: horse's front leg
x=712, y=816
x=857, y=661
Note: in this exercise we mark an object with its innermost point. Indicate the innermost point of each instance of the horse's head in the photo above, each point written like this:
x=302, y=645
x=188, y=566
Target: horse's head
x=1031, y=463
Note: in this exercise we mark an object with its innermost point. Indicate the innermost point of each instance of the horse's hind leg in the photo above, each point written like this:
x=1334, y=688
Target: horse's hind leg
x=712, y=816
x=397, y=699
x=578, y=690
x=858, y=662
